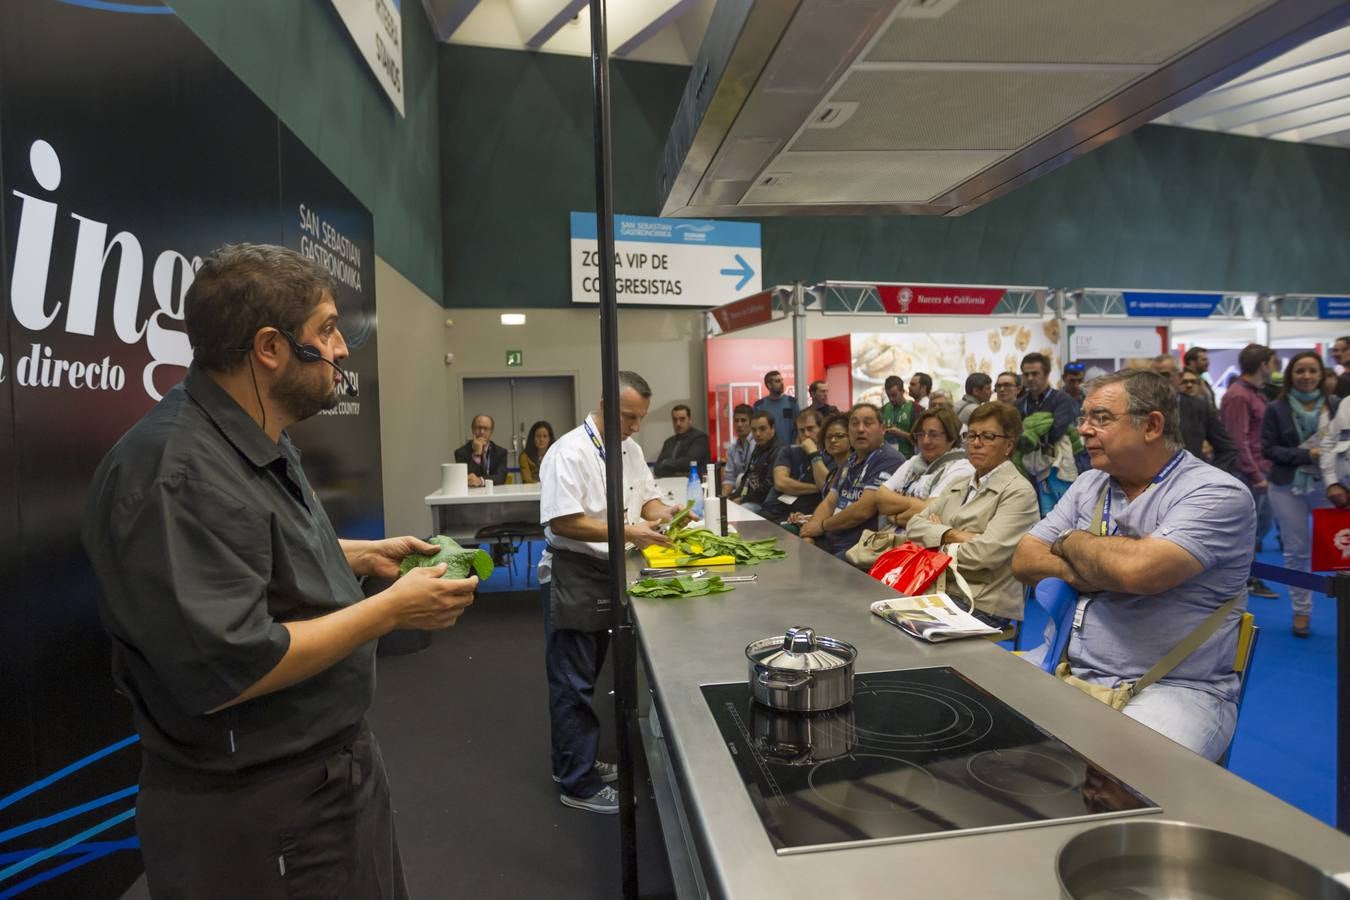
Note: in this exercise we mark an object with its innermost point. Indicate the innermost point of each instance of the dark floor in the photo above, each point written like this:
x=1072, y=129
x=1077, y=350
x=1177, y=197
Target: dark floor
x=464, y=729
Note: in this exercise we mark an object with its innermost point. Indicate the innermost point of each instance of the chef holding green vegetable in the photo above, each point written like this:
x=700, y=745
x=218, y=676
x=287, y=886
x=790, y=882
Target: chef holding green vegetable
x=574, y=582
x=239, y=632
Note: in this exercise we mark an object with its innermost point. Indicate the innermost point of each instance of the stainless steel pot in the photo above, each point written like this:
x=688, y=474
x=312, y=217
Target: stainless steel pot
x=801, y=672
x=803, y=739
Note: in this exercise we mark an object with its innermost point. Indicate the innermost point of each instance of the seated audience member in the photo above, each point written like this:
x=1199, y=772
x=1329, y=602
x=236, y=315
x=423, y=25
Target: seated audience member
x=938, y=463
x=939, y=400
x=826, y=463
x=851, y=504
x=757, y=481
x=920, y=386
x=1155, y=540
x=536, y=445
x=687, y=445
x=1292, y=432
x=782, y=406
x=1071, y=382
x=820, y=399
x=486, y=461
x=738, y=448
x=979, y=389
x=792, y=475
x=1201, y=431
x=1008, y=387
x=980, y=518
x=1049, y=438
x=897, y=416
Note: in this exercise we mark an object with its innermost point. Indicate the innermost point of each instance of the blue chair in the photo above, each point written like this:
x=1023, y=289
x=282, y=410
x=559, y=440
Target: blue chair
x=1059, y=602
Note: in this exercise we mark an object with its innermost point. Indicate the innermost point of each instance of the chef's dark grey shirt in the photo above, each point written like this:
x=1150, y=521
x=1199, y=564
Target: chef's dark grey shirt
x=206, y=537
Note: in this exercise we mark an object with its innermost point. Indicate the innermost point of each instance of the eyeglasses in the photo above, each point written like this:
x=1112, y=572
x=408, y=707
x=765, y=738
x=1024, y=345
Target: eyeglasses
x=1098, y=419
x=836, y=436
x=983, y=437
x=1005, y=386
x=1190, y=381
x=931, y=435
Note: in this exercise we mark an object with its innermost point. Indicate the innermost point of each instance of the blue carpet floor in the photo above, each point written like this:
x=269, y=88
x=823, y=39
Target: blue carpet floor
x=1286, y=736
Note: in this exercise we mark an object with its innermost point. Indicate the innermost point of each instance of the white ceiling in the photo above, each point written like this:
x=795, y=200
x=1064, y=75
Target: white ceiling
x=1303, y=95
x=666, y=31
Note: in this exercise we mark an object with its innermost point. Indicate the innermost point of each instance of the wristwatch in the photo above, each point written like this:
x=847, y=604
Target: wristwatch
x=1057, y=548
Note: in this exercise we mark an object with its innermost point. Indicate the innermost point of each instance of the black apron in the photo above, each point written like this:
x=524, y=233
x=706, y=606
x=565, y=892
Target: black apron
x=579, y=598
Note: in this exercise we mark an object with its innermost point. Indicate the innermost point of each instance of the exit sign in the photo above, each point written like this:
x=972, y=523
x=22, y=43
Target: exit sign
x=515, y=358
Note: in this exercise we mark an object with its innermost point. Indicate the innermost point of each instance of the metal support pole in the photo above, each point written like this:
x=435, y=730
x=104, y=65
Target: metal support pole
x=801, y=378
x=621, y=626
x=1341, y=590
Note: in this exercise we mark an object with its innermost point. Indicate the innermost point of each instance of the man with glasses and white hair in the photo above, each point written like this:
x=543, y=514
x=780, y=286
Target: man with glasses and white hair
x=1159, y=546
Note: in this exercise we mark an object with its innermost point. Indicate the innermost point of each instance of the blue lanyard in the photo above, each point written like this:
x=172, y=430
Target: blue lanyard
x=590, y=432
x=1157, y=480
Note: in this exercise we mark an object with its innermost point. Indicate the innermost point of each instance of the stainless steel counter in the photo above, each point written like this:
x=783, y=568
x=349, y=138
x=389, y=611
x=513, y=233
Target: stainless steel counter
x=701, y=640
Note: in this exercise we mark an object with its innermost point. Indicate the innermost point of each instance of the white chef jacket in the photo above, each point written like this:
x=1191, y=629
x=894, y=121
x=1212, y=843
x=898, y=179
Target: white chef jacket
x=572, y=480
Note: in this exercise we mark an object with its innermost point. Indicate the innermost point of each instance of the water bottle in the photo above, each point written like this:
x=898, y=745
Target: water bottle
x=695, y=489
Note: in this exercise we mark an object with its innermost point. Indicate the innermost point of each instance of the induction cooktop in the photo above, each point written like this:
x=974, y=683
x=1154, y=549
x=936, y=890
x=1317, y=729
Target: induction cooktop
x=918, y=754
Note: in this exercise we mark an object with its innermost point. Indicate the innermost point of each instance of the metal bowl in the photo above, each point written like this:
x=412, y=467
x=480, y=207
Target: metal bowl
x=1156, y=859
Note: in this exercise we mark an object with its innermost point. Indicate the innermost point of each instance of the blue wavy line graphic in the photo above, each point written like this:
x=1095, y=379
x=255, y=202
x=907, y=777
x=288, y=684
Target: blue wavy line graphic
x=73, y=767
x=131, y=843
x=38, y=824
x=57, y=849
x=51, y=873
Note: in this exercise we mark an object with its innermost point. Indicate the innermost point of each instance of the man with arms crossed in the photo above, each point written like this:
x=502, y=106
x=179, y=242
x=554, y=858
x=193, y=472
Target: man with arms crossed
x=239, y=631
x=1154, y=540
x=574, y=581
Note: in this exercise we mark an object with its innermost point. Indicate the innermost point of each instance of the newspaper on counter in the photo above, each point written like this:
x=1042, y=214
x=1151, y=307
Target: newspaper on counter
x=932, y=617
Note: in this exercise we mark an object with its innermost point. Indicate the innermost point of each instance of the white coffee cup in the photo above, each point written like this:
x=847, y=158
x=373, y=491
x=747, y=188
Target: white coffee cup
x=454, y=479
x=487, y=485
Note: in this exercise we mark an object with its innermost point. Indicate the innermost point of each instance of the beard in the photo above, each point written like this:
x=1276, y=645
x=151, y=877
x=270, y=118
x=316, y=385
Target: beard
x=297, y=392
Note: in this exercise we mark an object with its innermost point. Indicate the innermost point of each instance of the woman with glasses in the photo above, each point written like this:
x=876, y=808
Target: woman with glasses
x=938, y=463
x=827, y=460
x=1291, y=438
x=979, y=520
x=1007, y=387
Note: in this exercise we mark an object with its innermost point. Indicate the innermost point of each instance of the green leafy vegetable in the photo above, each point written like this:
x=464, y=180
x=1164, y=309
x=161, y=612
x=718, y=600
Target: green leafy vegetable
x=459, y=562
x=681, y=586
x=749, y=553
x=678, y=519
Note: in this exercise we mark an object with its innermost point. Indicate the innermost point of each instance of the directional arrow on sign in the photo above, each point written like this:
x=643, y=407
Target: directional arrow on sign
x=745, y=272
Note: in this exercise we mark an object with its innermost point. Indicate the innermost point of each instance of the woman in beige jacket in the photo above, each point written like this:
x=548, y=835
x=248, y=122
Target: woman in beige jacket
x=979, y=520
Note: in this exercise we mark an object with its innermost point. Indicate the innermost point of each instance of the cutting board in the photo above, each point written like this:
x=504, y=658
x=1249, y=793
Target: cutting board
x=665, y=558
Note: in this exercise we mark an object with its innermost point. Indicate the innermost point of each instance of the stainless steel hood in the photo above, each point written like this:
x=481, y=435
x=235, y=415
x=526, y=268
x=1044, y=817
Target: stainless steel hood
x=854, y=107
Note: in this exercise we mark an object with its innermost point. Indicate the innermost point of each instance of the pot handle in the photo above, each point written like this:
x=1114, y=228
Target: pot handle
x=767, y=680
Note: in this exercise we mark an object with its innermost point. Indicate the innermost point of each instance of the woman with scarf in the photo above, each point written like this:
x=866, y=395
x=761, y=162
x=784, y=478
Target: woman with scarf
x=939, y=461
x=1291, y=438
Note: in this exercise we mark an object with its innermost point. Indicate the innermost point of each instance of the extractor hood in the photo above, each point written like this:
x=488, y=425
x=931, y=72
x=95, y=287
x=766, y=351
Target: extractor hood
x=853, y=107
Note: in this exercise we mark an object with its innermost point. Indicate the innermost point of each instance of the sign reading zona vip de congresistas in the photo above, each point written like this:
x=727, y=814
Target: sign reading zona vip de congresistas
x=668, y=262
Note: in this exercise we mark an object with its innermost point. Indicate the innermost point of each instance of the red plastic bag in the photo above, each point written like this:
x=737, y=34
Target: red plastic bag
x=909, y=568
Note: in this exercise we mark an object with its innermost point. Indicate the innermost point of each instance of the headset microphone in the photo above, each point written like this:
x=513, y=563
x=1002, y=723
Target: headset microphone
x=309, y=353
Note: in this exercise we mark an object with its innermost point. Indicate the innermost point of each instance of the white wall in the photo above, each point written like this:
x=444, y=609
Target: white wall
x=663, y=346
x=414, y=395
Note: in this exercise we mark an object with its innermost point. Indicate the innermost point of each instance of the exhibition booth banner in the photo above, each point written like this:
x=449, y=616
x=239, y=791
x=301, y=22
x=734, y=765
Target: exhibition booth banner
x=129, y=152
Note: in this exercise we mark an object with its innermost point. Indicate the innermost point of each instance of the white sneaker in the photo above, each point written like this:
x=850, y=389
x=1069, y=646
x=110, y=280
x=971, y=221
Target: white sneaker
x=608, y=772
x=605, y=802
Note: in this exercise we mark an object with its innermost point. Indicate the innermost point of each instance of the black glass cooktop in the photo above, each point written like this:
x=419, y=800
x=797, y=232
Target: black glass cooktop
x=919, y=753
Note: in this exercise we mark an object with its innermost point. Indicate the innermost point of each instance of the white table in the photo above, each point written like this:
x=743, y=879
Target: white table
x=460, y=516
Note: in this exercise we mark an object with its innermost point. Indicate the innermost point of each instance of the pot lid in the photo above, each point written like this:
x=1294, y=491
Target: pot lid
x=801, y=650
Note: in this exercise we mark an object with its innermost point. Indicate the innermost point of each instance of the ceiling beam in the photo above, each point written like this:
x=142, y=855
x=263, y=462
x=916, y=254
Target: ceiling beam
x=538, y=20
x=1313, y=132
x=447, y=15
x=639, y=21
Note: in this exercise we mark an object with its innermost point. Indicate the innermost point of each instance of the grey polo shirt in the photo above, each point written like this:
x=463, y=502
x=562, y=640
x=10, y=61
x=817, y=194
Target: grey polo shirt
x=205, y=537
x=1207, y=513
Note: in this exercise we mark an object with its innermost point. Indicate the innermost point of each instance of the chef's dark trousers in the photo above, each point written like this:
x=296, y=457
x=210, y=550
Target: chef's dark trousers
x=572, y=660
x=319, y=829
